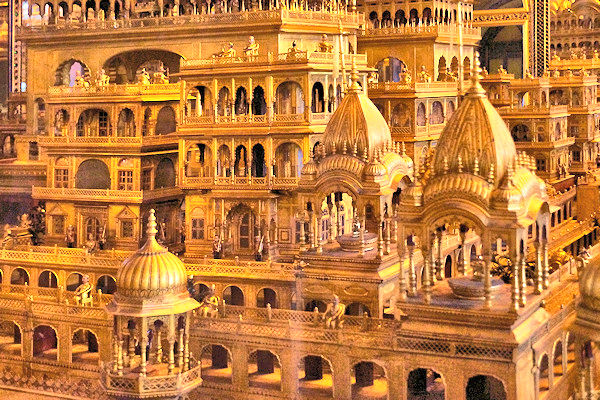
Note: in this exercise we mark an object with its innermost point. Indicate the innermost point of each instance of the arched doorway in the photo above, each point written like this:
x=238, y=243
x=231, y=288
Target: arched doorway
x=216, y=364
x=369, y=381
x=264, y=370
x=233, y=295
x=84, y=347
x=45, y=343
x=92, y=174
x=107, y=284
x=48, y=279
x=425, y=384
x=448, y=267
x=315, y=377
x=259, y=167
x=266, y=296
x=485, y=387
x=242, y=227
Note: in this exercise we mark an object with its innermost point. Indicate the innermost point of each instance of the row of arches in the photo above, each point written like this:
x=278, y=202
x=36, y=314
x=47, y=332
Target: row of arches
x=45, y=343
x=96, y=122
x=315, y=376
x=49, y=279
x=287, y=163
x=553, y=367
x=427, y=16
x=402, y=114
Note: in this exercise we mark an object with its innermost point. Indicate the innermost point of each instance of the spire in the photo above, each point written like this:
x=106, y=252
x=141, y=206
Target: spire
x=151, y=229
x=476, y=87
x=354, y=86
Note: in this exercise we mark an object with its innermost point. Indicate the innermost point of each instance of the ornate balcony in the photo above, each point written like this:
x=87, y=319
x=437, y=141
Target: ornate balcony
x=240, y=182
x=117, y=90
x=155, y=387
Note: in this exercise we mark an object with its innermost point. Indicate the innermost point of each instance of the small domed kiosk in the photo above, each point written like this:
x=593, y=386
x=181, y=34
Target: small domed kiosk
x=152, y=312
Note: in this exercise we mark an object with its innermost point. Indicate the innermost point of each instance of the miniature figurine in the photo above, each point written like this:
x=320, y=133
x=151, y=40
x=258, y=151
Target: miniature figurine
x=252, y=48
x=103, y=79
x=70, y=237
x=90, y=245
x=83, y=293
x=333, y=315
x=217, y=247
x=209, y=307
x=424, y=75
x=324, y=46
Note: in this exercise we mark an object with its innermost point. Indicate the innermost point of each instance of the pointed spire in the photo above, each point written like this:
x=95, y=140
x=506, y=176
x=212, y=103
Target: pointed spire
x=354, y=86
x=355, y=149
x=446, y=166
x=476, y=166
x=151, y=228
x=403, y=148
x=476, y=87
x=365, y=155
x=345, y=147
x=460, y=164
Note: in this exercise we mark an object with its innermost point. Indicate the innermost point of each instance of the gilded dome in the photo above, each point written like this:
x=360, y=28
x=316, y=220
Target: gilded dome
x=475, y=134
x=152, y=280
x=356, y=123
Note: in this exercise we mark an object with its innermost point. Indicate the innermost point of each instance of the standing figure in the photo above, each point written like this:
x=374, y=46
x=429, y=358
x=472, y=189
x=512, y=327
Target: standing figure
x=70, y=237
x=259, y=249
x=90, y=244
x=209, y=307
x=324, y=46
x=217, y=247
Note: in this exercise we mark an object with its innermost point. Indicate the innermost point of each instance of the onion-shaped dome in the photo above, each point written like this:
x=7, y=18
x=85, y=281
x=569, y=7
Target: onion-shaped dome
x=356, y=122
x=152, y=281
x=310, y=168
x=375, y=169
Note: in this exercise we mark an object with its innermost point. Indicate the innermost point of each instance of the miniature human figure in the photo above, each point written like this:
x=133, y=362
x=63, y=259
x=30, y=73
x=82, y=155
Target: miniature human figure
x=501, y=70
x=103, y=79
x=217, y=246
x=424, y=75
x=528, y=74
x=252, y=48
x=356, y=226
x=70, y=236
x=209, y=307
x=83, y=293
x=324, y=46
x=144, y=77
x=293, y=51
x=259, y=249
x=227, y=53
x=406, y=77
x=484, y=72
x=372, y=77
x=102, y=238
x=25, y=221
x=333, y=315
x=90, y=244
x=556, y=73
x=162, y=231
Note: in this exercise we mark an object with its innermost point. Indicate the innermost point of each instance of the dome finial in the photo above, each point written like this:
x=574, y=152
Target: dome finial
x=151, y=229
x=354, y=86
x=476, y=87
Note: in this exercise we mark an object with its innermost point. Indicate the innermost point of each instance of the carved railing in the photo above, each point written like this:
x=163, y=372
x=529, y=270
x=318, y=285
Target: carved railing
x=48, y=140
x=236, y=268
x=318, y=118
x=198, y=20
x=43, y=308
x=421, y=30
x=422, y=86
x=105, y=195
x=113, y=89
x=245, y=182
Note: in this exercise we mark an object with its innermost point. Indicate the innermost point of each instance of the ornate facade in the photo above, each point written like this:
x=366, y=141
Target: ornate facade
x=287, y=199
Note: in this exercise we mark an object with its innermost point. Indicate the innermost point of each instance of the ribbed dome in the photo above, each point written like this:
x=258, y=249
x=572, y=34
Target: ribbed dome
x=152, y=270
x=356, y=121
x=475, y=132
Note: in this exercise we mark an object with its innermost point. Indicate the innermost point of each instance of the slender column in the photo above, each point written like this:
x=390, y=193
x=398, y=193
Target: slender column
x=131, y=347
x=115, y=353
x=487, y=281
x=412, y=273
x=339, y=218
x=546, y=267
x=427, y=283
x=186, y=348
x=180, y=350
x=395, y=227
x=120, y=357
x=159, y=350
x=171, y=340
x=380, y=241
x=515, y=262
x=311, y=230
x=539, y=273
x=438, y=261
x=332, y=224
x=387, y=236
x=522, y=282
x=143, y=346
x=401, y=277
x=318, y=238
x=463, y=255
x=302, y=235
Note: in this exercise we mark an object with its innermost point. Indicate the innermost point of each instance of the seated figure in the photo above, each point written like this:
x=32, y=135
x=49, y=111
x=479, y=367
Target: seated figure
x=226, y=53
x=324, y=46
x=209, y=307
x=83, y=293
x=81, y=81
x=91, y=244
x=252, y=48
x=293, y=51
x=334, y=314
x=144, y=77
x=103, y=78
x=424, y=75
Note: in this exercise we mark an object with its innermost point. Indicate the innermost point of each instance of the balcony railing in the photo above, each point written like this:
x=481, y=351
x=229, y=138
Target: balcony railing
x=241, y=182
x=210, y=120
x=419, y=86
x=116, y=90
x=73, y=194
x=438, y=29
x=198, y=20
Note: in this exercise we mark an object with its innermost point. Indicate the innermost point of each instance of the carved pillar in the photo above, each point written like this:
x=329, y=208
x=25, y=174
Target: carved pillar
x=302, y=236
x=427, y=283
x=522, y=281
x=487, y=280
x=546, y=267
x=539, y=273
x=380, y=240
x=120, y=356
x=332, y=224
x=311, y=228
x=438, y=258
x=401, y=278
x=180, y=347
x=319, y=229
x=412, y=273
x=387, y=236
x=515, y=262
x=461, y=261
x=143, y=345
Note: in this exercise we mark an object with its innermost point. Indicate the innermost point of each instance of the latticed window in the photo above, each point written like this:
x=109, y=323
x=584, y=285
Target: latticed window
x=126, y=228
x=61, y=177
x=126, y=180
x=540, y=164
x=198, y=228
x=103, y=127
x=58, y=224
x=147, y=179
x=80, y=131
